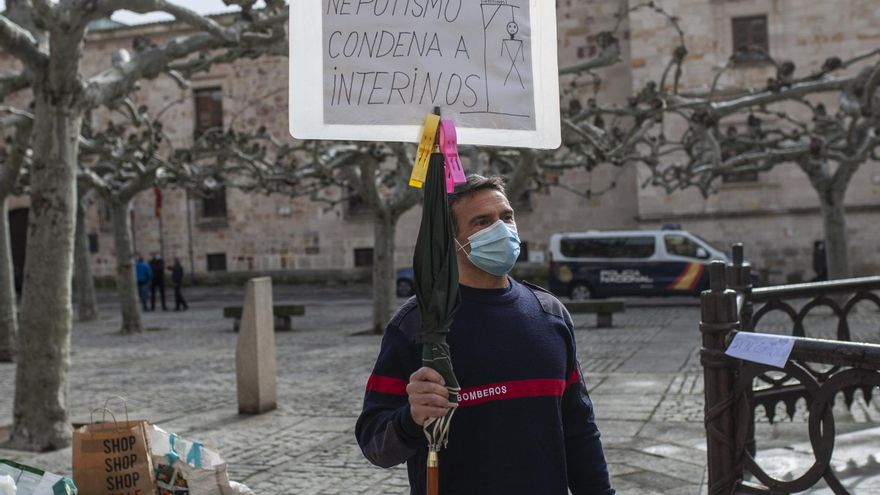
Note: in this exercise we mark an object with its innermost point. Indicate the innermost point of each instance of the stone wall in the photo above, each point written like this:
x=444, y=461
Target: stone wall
x=278, y=233
x=779, y=212
x=776, y=217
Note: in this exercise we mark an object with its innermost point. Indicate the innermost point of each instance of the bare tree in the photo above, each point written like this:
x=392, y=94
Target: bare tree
x=13, y=158
x=386, y=191
x=126, y=161
x=83, y=281
x=325, y=171
x=694, y=139
x=48, y=39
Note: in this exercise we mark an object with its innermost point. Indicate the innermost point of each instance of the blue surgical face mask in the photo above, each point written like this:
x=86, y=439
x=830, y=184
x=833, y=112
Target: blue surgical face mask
x=494, y=249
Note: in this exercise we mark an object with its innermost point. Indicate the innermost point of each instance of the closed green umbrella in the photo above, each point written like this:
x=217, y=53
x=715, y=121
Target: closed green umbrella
x=436, y=287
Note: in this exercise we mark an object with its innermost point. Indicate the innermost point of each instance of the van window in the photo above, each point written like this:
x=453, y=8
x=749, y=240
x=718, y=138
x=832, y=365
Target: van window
x=680, y=245
x=608, y=247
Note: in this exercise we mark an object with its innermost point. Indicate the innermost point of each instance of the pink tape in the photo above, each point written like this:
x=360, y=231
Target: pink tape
x=449, y=148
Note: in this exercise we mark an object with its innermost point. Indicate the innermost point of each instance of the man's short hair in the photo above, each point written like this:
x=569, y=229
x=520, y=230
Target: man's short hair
x=474, y=184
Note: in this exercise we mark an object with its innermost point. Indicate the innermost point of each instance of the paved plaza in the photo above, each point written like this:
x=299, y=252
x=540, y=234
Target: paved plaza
x=644, y=376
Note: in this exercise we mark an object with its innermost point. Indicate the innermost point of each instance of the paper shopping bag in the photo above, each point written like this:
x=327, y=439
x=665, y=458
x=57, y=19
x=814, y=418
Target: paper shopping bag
x=113, y=458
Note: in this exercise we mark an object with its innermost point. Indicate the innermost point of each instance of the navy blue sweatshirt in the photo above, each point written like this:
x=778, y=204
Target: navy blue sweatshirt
x=525, y=423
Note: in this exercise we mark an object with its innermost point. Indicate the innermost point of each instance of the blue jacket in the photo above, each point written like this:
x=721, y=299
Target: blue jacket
x=525, y=422
x=144, y=272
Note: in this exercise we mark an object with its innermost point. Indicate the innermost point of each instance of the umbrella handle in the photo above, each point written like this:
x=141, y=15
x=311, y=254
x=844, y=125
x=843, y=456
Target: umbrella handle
x=433, y=475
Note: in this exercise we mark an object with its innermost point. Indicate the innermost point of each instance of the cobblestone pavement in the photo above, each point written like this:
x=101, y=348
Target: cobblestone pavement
x=644, y=376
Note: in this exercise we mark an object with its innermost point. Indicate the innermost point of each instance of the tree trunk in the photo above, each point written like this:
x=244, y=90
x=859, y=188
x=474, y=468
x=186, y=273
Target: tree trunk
x=126, y=282
x=84, y=284
x=8, y=310
x=40, y=415
x=384, y=226
x=836, y=242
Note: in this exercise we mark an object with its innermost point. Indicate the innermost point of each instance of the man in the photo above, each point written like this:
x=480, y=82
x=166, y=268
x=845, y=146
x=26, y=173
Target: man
x=177, y=281
x=525, y=422
x=157, y=264
x=144, y=275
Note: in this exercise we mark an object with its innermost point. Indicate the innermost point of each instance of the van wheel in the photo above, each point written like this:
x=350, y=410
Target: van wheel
x=580, y=292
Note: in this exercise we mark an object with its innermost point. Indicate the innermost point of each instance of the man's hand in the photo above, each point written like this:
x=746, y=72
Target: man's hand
x=428, y=396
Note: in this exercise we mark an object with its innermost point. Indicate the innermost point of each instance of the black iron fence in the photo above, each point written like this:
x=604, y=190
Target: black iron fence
x=817, y=371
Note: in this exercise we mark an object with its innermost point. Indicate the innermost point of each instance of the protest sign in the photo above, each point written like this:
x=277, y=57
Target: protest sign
x=372, y=69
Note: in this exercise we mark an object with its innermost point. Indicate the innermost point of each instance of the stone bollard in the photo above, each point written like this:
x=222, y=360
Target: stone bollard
x=255, y=367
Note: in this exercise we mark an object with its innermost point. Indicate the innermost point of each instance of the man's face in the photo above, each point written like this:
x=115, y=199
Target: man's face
x=477, y=211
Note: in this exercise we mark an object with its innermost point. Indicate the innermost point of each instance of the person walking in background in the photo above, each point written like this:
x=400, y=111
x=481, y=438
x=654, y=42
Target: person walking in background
x=144, y=275
x=157, y=264
x=820, y=261
x=177, y=281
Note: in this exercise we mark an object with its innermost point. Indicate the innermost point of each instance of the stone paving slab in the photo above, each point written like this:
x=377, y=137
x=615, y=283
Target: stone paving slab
x=644, y=376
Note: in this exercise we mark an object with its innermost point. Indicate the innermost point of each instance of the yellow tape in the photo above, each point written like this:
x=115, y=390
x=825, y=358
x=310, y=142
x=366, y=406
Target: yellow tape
x=426, y=146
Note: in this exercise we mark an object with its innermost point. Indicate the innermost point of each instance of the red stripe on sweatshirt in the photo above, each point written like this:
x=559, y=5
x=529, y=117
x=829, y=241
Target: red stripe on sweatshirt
x=573, y=378
x=386, y=385
x=473, y=396
x=510, y=390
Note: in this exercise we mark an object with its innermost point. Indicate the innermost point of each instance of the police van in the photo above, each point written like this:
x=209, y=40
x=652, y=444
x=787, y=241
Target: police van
x=630, y=263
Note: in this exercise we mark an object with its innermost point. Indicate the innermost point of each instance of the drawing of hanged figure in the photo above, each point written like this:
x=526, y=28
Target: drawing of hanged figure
x=513, y=48
x=506, y=58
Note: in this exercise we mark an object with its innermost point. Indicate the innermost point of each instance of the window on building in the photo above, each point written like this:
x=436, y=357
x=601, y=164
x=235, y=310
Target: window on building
x=363, y=257
x=679, y=245
x=216, y=262
x=608, y=247
x=312, y=242
x=93, y=243
x=209, y=109
x=214, y=204
x=355, y=204
x=750, y=39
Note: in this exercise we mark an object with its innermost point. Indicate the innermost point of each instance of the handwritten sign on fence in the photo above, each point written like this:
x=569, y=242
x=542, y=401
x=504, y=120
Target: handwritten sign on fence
x=372, y=69
x=763, y=348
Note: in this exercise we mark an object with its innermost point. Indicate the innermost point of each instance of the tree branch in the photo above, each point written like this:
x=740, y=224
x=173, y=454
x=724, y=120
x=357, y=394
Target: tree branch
x=105, y=8
x=870, y=88
x=608, y=55
x=118, y=81
x=95, y=181
x=16, y=157
x=12, y=83
x=794, y=92
x=21, y=44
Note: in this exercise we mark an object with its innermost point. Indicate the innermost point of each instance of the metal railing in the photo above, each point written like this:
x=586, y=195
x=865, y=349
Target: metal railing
x=817, y=371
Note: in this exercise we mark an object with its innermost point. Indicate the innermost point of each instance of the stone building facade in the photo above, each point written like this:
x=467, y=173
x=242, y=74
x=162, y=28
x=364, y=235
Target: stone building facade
x=775, y=215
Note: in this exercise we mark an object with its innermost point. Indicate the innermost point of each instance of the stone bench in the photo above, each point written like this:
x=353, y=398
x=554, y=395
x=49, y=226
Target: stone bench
x=603, y=310
x=282, y=313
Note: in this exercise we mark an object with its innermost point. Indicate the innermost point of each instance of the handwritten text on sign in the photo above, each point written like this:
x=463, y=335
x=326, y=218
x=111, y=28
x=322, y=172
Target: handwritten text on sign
x=392, y=61
x=761, y=348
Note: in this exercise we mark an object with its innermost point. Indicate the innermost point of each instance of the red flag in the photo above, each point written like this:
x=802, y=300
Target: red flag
x=158, y=193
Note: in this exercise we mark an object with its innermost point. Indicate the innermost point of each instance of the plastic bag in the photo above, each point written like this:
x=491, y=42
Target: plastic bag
x=7, y=485
x=184, y=467
x=27, y=480
x=239, y=489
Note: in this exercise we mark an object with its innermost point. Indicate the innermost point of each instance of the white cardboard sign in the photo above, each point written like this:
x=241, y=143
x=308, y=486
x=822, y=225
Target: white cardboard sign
x=772, y=350
x=372, y=69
